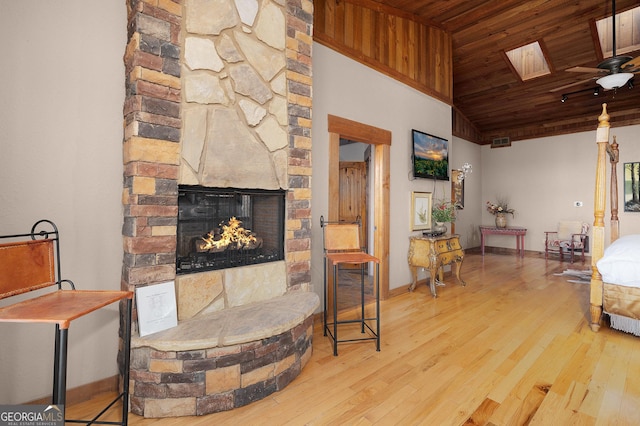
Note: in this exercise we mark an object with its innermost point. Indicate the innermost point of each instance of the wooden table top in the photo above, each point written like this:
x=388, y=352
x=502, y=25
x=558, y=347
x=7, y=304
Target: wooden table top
x=434, y=238
x=508, y=228
x=351, y=257
x=61, y=307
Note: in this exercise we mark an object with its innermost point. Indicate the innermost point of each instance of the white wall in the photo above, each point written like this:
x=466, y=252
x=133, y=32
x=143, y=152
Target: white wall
x=543, y=177
x=347, y=89
x=468, y=219
x=61, y=136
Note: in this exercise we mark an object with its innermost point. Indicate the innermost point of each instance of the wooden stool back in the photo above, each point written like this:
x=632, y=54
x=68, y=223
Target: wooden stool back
x=341, y=237
x=26, y=265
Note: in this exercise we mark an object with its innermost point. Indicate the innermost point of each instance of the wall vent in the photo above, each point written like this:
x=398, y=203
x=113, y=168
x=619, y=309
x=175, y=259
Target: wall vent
x=500, y=142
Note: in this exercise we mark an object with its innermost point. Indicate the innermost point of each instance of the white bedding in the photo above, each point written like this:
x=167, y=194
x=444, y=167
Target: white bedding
x=620, y=263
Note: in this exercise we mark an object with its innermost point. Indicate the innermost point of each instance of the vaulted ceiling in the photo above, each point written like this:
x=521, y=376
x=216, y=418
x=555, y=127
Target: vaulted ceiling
x=490, y=94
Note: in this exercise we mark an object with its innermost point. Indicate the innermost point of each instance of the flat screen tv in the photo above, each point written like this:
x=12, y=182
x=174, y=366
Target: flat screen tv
x=430, y=156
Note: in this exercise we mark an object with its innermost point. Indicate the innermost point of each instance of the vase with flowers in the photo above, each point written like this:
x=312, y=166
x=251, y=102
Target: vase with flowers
x=500, y=210
x=443, y=211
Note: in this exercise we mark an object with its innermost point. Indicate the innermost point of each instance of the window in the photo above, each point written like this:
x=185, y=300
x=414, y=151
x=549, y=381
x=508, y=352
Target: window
x=528, y=61
x=627, y=33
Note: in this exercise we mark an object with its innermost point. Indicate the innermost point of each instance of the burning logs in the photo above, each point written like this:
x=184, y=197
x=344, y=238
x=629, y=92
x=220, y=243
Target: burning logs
x=231, y=236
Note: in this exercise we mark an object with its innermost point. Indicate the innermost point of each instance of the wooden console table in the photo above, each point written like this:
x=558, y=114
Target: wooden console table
x=518, y=231
x=433, y=253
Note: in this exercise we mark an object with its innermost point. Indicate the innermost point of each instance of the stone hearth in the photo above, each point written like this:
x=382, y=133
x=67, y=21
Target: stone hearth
x=222, y=360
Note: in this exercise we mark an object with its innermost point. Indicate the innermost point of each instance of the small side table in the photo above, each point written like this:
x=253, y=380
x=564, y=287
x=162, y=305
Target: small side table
x=518, y=231
x=433, y=253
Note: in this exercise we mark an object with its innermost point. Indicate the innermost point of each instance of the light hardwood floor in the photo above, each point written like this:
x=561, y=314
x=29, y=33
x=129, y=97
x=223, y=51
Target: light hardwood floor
x=513, y=347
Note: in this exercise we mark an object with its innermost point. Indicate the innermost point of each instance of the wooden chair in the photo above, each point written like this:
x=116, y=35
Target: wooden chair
x=31, y=261
x=342, y=246
x=570, y=235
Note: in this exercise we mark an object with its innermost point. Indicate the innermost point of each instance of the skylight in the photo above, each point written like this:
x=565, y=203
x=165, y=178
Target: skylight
x=528, y=61
x=627, y=33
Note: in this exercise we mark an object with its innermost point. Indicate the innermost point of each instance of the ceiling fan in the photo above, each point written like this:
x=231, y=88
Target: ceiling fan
x=617, y=70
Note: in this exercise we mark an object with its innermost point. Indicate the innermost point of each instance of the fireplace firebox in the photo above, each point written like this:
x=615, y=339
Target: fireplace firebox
x=222, y=228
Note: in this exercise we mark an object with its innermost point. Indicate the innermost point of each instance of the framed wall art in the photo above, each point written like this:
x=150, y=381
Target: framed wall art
x=632, y=187
x=457, y=189
x=430, y=156
x=421, y=203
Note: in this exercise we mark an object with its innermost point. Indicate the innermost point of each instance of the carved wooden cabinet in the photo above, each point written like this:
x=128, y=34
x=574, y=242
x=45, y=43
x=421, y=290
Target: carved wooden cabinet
x=433, y=253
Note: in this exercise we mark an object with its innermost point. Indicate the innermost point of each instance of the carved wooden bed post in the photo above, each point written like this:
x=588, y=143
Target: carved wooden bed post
x=614, y=157
x=602, y=139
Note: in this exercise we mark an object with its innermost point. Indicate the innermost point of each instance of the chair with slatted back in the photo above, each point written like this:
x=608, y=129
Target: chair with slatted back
x=31, y=261
x=342, y=246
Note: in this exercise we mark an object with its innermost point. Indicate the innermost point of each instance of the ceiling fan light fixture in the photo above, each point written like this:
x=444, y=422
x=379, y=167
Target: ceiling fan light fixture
x=614, y=81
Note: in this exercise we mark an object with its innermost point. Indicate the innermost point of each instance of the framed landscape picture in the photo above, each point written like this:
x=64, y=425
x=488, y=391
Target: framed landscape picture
x=430, y=156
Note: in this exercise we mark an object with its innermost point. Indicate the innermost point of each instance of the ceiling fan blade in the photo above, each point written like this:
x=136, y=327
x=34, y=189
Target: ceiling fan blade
x=587, y=69
x=632, y=65
x=557, y=89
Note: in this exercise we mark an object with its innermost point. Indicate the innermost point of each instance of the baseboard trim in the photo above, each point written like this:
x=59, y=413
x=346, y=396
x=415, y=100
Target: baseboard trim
x=403, y=289
x=85, y=392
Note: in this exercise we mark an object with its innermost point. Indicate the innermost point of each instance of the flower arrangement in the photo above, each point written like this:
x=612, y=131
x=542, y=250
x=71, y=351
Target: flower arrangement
x=443, y=211
x=500, y=207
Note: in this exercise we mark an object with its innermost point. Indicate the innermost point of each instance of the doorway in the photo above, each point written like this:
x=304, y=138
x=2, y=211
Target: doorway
x=354, y=196
x=380, y=140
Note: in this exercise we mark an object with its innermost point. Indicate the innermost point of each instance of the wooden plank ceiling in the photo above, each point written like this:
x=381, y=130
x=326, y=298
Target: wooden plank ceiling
x=488, y=92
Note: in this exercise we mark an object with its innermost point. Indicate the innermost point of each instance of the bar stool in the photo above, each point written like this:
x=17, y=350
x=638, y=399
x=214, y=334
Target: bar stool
x=341, y=242
x=31, y=261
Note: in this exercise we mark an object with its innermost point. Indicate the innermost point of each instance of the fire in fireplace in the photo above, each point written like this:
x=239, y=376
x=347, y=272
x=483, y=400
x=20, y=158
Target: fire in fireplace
x=222, y=228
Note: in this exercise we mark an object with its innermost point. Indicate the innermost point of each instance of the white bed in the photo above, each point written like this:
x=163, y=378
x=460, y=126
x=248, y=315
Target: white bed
x=620, y=264
x=615, y=279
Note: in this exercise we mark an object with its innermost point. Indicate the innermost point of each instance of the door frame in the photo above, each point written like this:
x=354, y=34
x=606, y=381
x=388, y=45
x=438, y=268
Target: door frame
x=381, y=140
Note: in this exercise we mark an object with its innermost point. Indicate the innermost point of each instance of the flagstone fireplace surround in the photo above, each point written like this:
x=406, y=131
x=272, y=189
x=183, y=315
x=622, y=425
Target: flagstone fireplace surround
x=218, y=95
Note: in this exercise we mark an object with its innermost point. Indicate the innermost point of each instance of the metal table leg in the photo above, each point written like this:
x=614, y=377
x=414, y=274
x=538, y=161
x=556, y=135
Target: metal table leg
x=60, y=367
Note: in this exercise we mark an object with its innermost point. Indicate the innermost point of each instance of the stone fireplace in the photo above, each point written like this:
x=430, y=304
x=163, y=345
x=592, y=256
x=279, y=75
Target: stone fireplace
x=198, y=112
x=218, y=96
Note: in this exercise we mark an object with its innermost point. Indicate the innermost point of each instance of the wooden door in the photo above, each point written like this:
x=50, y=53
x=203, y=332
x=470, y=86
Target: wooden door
x=353, y=195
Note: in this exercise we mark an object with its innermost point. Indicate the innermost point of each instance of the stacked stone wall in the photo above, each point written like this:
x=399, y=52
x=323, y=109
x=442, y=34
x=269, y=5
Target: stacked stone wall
x=151, y=141
x=299, y=21
x=209, y=380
